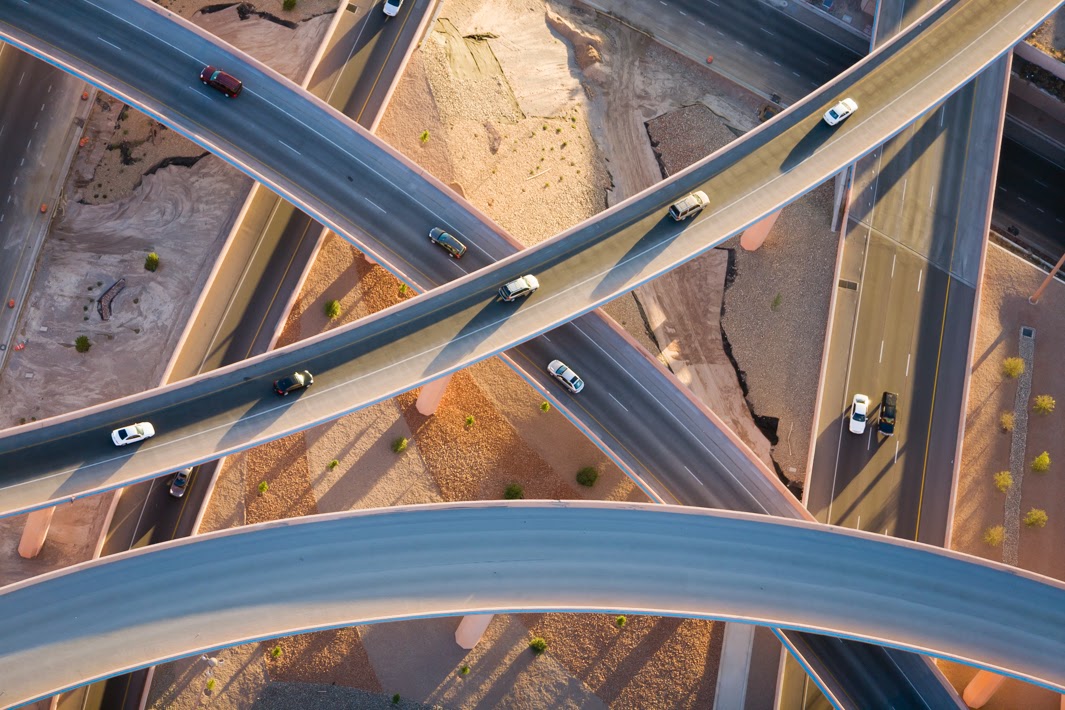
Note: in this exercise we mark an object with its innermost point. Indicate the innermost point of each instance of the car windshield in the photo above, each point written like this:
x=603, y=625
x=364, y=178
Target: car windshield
x=833, y=113
x=859, y=417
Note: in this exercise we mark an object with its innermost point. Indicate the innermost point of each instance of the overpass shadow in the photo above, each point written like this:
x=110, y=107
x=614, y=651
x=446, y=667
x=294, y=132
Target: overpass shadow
x=639, y=256
x=476, y=330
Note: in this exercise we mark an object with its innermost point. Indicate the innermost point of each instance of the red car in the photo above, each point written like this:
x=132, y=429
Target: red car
x=218, y=79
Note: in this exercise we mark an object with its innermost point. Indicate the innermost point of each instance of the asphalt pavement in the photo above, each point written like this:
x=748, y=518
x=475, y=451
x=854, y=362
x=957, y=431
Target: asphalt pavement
x=478, y=557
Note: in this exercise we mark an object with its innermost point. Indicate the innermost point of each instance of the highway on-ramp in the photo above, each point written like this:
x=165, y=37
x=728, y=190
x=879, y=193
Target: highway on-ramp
x=107, y=616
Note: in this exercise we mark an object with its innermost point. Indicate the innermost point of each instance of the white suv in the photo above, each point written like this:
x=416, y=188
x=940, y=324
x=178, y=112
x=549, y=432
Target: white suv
x=566, y=376
x=518, y=288
x=391, y=7
x=687, y=206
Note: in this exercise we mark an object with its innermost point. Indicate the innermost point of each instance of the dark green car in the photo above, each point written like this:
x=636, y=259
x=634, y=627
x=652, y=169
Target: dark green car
x=447, y=242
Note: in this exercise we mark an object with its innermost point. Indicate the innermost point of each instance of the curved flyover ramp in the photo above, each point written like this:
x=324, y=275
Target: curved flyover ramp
x=262, y=581
x=231, y=409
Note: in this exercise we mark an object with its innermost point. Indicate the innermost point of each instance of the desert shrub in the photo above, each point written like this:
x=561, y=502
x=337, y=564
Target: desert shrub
x=545, y=406
x=538, y=645
x=513, y=492
x=263, y=487
x=1043, y=404
x=400, y=445
x=465, y=670
x=395, y=699
x=587, y=476
x=1006, y=421
x=403, y=289
x=333, y=464
x=777, y=300
x=276, y=652
x=1041, y=463
x=1035, y=518
x=620, y=622
x=211, y=684
x=289, y=5
x=424, y=136
x=994, y=535
x=332, y=309
x=151, y=262
x=469, y=420
x=1013, y=367
x=1003, y=481
x=82, y=344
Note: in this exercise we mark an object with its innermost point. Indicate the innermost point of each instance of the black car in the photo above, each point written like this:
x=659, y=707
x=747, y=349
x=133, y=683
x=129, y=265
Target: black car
x=888, y=406
x=449, y=244
x=295, y=381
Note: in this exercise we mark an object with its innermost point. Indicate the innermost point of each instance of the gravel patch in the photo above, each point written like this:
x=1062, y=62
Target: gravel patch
x=309, y=696
x=1026, y=351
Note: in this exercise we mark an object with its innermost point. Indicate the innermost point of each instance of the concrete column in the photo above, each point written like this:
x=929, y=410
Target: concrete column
x=430, y=396
x=35, y=533
x=471, y=629
x=754, y=235
x=734, y=667
x=981, y=688
x=843, y=179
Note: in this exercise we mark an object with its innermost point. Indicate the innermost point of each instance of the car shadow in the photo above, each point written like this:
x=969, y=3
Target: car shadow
x=809, y=144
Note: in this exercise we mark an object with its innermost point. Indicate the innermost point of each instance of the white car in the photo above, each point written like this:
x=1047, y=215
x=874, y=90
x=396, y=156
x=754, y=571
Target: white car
x=133, y=433
x=840, y=111
x=859, y=414
x=566, y=376
x=391, y=7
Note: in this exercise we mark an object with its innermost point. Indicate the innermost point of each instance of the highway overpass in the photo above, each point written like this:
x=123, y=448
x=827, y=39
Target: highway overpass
x=112, y=615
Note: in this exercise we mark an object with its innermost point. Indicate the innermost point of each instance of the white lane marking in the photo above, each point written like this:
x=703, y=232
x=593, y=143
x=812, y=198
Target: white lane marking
x=715, y=4
x=893, y=257
x=374, y=204
x=931, y=197
x=767, y=32
x=693, y=475
x=920, y=274
x=290, y=147
x=896, y=453
x=797, y=74
x=35, y=125
x=858, y=525
x=904, y=182
x=2, y=216
x=619, y=402
x=741, y=43
x=1040, y=209
x=1002, y=188
x=908, y=364
x=110, y=43
x=22, y=162
x=1023, y=200
x=942, y=116
x=776, y=62
x=682, y=12
x=16, y=181
x=701, y=23
x=821, y=60
x=869, y=440
x=759, y=54
x=546, y=338
x=1040, y=182
x=21, y=78
x=881, y=351
x=667, y=409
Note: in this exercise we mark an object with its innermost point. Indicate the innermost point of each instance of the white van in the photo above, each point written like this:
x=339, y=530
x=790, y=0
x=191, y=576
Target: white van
x=691, y=205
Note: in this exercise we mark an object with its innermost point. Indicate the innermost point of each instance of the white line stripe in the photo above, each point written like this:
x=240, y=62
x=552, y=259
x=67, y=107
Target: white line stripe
x=619, y=402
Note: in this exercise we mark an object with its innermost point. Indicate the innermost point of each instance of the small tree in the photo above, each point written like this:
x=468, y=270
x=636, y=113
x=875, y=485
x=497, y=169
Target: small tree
x=545, y=406
x=587, y=476
x=276, y=652
x=333, y=464
x=400, y=445
x=465, y=670
x=469, y=420
x=620, y=622
x=395, y=699
x=289, y=5
x=1006, y=421
x=1013, y=367
x=1035, y=518
x=1003, y=481
x=994, y=535
x=332, y=309
x=538, y=646
x=424, y=136
x=402, y=289
x=1041, y=463
x=151, y=262
x=513, y=492
x=82, y=344
x=211, y=684
x=263, y=487
x=1043, y=404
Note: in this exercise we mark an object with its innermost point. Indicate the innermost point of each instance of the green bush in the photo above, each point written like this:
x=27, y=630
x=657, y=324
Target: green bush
x=400, y=445
x=82, y=344
x=263, y=487
x=424, y=136
x=994, y=535
x=587, y=476
x=513, y=492
x=332, y=309
x=1013, y=367
x=395, y=699
x=545, y=406
x=1003, y=481
x=1041, y=463
x=620, y=622
x=469, y=420
x=403, y=289
x=1043, y=404
x=465, y=670
x=151, y=262
x=1035, y=518
x=1006, y=421
x=211, y=684
x=538, y=645
x=276, y=652
x=777, y=300
x=289, y=5
x=333, y=464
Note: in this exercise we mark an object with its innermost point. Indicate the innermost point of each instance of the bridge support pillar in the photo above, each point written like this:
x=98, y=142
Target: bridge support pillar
x=754, y=235
x=981, y=688
x=35, y=533
x=734, y=666
x=471, y=629
x=430, y=396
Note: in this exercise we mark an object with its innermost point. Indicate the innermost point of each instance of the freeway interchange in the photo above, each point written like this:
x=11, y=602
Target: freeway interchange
x=232, y=409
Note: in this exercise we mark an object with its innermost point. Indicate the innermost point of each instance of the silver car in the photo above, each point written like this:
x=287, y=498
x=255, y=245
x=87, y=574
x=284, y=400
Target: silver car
x=180, y=482
x=568, y=378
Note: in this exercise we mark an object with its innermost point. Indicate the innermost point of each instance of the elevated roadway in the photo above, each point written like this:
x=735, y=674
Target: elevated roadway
x=449, y=559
